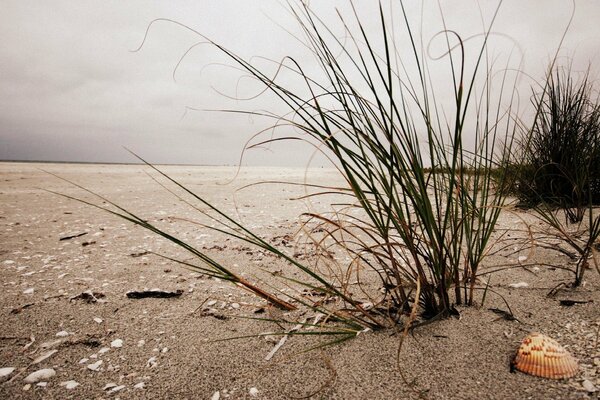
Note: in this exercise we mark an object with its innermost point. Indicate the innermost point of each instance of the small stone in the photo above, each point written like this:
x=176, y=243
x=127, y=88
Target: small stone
x=109, y=386
x=522, y=258
x=62, y=334
x=42, y=384
x=5, y=373
x=84, y=360
x=216, y=396
x=518, y=285
x=235, y=306
x=95, y=366
x=104, y=350
x=98, y=320
x=164, y=350
x=151, y=363
x=211, y=303
x=28, y=291
x=69, y=385
x=253, y=392
x=116, y=343
x=589, y=386
x=117, y=388
x=40, y=375
x=27, y=387
x=141, y=342
x=140, y=385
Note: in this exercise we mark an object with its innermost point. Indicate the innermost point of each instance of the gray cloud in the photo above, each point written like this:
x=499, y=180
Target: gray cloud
x=72, y=90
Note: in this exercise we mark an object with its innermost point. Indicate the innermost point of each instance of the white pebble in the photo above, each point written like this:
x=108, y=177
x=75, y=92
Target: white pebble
x=235, y=305
x=522, y=258
x=140, y=385
x=103, y=350
x=253, y=392
x=141, y=342
x=151, y=363
x=588, y=386
x=42, y=384
x=69, y=384
x=40, y=375
x=62, y=334
x=519, y=285
x=95, y=366
x=216, y=396
x=211, y=303
x=98, y=320
x=117, y=388
x=116, y=343
x=27, y=387
x=83, y=360
x=28, y=291
x=5, y=373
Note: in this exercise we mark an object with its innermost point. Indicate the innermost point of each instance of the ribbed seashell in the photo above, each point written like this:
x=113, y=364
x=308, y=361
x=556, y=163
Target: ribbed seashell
x=542, y=356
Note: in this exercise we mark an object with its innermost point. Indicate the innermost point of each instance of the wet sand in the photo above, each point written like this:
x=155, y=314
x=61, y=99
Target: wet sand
x=169, y=346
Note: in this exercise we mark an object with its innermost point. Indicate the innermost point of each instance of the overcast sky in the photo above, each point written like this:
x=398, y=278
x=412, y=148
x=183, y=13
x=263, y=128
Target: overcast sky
x=73, y=91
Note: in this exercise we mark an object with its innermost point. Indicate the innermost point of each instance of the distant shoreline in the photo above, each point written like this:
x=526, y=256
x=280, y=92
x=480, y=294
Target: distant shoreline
x=110, y=163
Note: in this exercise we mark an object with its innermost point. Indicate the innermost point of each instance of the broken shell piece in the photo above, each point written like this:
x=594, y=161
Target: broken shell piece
x=69, y=385
x=542, y=356
x=95, y=366
x=5, y=373
x=41, y=375
x=518, y=285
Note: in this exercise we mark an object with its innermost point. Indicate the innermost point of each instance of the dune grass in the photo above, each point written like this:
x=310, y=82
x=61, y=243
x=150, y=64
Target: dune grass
x=378, y=116
x=382, y=127
x=556, y=164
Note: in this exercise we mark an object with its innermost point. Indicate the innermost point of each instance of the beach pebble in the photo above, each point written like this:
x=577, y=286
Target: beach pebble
x=5, y=373
x=27, y=387
x=42, y=384
x=518, y=285
x=69, y=385
x=62, y=334
x=211, y=303
x=98, y=320
x=151, y=363
x=40, y=375
x=522, y=258
x=117, y=388
x=589, y=386
x=28, y=291
x=84, y=360
x=104, y=350
x=95, y=366
x=141, y=342
x=140, y=385
x=116, y=343
x=253, y=392
x=216, y=396
x=235, y=306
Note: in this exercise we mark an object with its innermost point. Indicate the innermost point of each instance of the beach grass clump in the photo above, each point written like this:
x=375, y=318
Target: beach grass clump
x=560, y=154
x=427, y=198
x=418, y=153
x=557, y=165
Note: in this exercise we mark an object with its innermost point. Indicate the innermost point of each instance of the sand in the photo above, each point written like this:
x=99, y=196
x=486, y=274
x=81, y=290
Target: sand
x=168, y=346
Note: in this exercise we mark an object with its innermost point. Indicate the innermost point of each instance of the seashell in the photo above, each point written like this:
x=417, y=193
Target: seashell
x=542, y=356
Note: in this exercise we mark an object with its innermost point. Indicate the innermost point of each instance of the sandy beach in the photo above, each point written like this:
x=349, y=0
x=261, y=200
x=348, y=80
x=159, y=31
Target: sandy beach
x=114, y=346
